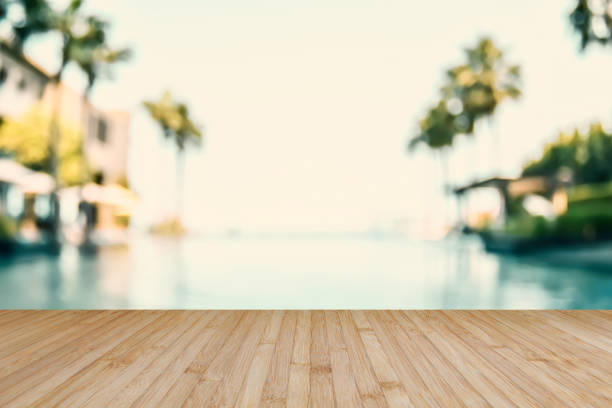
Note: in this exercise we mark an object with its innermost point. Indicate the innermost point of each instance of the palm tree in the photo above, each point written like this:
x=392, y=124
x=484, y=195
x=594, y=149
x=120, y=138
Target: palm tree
x=174, y=120
x=477, y=87
x=95, y=58
x=37, y=16
x=483, y=81
x=592, y=21
x=437, y=131
x=83, y=41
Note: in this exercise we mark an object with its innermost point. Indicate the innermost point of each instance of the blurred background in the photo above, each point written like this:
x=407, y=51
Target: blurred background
x=335, y=154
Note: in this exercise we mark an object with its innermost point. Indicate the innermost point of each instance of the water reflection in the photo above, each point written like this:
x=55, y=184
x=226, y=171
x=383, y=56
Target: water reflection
x=296, y=273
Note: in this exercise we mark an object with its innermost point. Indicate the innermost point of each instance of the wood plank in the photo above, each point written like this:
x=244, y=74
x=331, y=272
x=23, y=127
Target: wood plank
x=414, y=343
x=342, y=375
x=275, y=389
x=554, y=344
x=508, y=376
x=369, y=389
x=502, y=345
x=194, y=339
x=502, y=337
x=38, y=345
x=250, y=394
x=140, y=383
x=595, y=336
x=592, y=318
x=78, y=388
x=208, y=383
x=126, y=367
x=74, y=357
x=321, y=386
x=231, y=384
x=455, y=380
x=386, y=376
x=475, y=370
x=298, y=389
x=224, y=325
x=40, y=322
x=306, y=358
x=402, y=364
x=15, y=319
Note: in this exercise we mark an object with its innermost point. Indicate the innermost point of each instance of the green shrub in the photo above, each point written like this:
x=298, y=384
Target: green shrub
x=8, y=228
x=587, y=220
x=526, y=226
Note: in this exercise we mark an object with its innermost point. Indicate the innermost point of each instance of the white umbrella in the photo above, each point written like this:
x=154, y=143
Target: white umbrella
x=11, y=171
x=36, y=183
x=112, y=194
x=30, y=182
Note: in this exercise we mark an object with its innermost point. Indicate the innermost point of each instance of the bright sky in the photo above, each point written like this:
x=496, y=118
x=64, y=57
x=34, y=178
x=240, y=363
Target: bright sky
x=307, y=105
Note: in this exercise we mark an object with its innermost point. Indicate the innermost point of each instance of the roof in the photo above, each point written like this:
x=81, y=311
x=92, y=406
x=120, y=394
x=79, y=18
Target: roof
x=514, y=186
x=490, y=182
x=22, y=58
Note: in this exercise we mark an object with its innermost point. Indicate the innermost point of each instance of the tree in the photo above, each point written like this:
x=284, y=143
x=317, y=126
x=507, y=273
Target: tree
x=592, y=21
x=481, y=83
x=27, y=139
x=94, y=56
x=473, y=90
x=33, y=17
x=437, y=129
x=585, y=155
x=174, y=120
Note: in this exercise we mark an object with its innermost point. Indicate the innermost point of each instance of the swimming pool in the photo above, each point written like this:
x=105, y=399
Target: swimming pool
x=295, y=273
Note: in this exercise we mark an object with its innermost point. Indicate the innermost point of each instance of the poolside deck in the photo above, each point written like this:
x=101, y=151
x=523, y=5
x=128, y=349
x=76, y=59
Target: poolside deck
x=305, y=358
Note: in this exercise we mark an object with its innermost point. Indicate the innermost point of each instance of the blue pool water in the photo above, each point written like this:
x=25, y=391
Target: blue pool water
x=355, y=272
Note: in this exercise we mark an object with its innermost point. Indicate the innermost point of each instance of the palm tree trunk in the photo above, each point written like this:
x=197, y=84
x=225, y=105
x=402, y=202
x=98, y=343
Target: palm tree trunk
x=495, y=147
x=54, y=132
x=54, y=136
x=443, y=160
x=91, y=210
x=54, y=141
x=180, y=180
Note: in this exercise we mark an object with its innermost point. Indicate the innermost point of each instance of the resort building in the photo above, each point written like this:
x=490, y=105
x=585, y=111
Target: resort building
x=106, y=133
x=22, y=83
x=25, y=86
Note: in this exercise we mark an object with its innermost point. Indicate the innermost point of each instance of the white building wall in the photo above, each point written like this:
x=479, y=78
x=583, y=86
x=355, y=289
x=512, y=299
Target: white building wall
x=107, y=142
x=21, y=88
x=105, y=150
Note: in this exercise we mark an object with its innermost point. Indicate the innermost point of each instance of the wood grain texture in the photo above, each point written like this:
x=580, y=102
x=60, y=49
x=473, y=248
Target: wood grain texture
x=305, y=358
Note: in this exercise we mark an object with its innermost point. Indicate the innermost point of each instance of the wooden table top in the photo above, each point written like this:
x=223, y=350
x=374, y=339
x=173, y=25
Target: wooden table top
x=305, y=358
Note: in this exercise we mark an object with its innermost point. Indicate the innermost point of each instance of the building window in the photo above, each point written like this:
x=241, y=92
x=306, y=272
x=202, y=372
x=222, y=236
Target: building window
x=22, y=84
x=102, y=131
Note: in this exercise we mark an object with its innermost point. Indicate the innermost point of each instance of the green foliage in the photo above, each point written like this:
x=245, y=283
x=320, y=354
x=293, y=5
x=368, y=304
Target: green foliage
x=589, y=221
x=483, y=82
x=173, y=118
x=8, y=228
x=37, y=18
x=589, y=192
x=27, y=139
x=527, y=226
x=85, y=42
x=437, y=128
x=588, y=217
x=586, y=156
x=592, y=21
x=589, y=213
x=473, y=90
